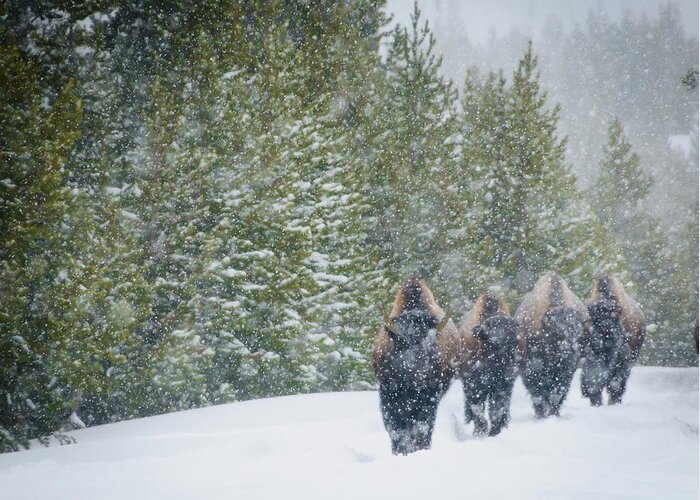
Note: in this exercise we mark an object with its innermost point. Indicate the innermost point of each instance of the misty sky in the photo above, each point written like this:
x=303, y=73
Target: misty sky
x=479, y=17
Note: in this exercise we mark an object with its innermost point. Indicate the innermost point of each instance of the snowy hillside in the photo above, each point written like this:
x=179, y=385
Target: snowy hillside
x=334, y=446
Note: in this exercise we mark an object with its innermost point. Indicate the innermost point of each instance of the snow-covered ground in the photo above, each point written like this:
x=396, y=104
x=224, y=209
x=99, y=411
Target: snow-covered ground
x=333, y=446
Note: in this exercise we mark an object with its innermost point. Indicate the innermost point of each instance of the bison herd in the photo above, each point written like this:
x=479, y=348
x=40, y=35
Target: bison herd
x=419, y=350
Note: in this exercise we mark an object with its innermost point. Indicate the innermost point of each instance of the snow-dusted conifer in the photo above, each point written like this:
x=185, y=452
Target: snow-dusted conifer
x=412, y=178
x=618, y=196
x=36, y=136
x=530, y=216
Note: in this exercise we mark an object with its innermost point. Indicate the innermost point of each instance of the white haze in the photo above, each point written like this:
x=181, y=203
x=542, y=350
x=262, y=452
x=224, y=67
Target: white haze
x=480, y=18
x=638, y=82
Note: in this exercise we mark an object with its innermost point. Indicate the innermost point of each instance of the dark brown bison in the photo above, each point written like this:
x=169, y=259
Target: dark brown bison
x=489, y=338
x=411, y=360
x=613, y=341
x=551, y=321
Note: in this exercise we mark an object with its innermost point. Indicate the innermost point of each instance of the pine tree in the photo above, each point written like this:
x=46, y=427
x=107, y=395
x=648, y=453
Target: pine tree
x=253, y=279
x=101, y=295
x=332, y=154
x=618, y=195
x=682, y=301
x=342, y=310
x=36, y=136
x=621, y=184
x=530, y=217
x=484, y=127
x=411, y=173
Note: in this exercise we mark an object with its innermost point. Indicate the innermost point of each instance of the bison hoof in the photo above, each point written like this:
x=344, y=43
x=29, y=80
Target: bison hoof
x=596, y=400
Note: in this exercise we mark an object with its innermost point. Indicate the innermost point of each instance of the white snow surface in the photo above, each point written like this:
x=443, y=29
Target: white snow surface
x=333, y=445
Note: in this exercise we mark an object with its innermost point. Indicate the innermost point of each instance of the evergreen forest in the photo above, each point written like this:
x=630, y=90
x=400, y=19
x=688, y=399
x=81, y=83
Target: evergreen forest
x=212, y=201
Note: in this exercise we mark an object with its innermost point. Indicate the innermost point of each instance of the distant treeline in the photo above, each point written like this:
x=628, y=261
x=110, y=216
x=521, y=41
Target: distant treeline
x=212, y=202
x=635, y=67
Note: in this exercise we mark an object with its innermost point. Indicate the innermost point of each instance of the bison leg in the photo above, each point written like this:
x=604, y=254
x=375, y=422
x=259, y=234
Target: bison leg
x=425, y=433
x=410, y=440
x=594, y=375
x=615, y=393
x=481, y=425
x=499, y=409
x=541, y=407
x=468, y=414
x=475, y=411
x=557, y=401
x=596, y=398
x=416, y=436
x=401, y=443
x=475, y=393
x=562, y=387
x=538, y=383
x=539, y=394
x=618, y=382
x=410, y=426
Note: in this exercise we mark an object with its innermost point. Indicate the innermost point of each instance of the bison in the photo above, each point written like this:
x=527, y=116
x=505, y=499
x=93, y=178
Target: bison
x=613, y=341
x=411, y=361
x=488, y=362
x=551, y=322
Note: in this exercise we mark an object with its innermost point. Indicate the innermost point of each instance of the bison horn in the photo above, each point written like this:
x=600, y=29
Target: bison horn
x=443, y=322
x=389, y=326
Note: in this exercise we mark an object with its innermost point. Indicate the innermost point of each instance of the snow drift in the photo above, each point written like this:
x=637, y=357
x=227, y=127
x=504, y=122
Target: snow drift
x=334, y=446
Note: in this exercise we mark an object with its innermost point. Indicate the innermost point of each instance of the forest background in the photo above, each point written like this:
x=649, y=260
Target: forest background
x=204, y=202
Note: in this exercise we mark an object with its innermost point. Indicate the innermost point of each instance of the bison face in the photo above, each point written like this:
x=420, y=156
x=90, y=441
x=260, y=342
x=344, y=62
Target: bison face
x=563, y=325
x=412, y=328
x=606, y=330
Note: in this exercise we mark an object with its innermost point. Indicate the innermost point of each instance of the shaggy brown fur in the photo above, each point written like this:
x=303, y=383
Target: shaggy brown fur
x=613, y=342
x=488, y=304
x=552, y=320
x=412, y=362
x=633, y=321
x=550, y=291
x=415, y=294
x=470, y=349
x=487, y=362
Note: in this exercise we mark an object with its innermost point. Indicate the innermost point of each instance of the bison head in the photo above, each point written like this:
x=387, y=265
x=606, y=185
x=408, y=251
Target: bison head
x=413, y=327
